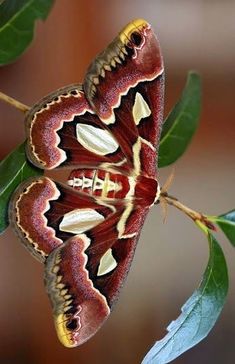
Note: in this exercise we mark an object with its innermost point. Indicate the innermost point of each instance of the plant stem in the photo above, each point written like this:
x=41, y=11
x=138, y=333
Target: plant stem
x=22, y=107
x=194, y=215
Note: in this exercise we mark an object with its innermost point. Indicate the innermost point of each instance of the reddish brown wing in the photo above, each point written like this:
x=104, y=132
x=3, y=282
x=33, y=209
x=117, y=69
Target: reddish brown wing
x=84, y=276
x=115, y=120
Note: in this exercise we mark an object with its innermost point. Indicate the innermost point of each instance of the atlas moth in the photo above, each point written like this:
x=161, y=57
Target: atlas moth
x=108, y=130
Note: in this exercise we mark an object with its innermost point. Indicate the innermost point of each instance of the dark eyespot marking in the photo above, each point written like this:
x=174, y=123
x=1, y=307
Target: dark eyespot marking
x=129, y=49
x=136, y=38
x=71, y=311
x=72, y=324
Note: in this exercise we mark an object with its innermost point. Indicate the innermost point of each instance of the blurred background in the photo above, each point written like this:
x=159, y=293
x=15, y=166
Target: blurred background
x=170, y=257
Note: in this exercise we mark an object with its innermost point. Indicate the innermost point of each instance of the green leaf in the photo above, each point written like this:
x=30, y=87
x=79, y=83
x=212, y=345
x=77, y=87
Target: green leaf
x=17, y=18
x=227, y=224
x=199, y=313
x=181, y=123
x=14, y=169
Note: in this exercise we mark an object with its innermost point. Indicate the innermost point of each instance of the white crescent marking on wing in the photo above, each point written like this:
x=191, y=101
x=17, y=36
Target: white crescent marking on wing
x=107, y=263
x=80, y=220
x=140, y=109
x=96, y=140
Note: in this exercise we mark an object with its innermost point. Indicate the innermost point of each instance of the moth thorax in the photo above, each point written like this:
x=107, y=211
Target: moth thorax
x=97, y=182
x=146, y=190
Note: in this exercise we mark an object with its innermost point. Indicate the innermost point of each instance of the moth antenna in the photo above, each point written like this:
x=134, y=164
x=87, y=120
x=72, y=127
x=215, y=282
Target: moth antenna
x=164, y=209
x=165, y=188
x=164, y=191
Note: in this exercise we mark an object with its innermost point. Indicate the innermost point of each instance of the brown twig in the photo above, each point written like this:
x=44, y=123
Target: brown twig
x=9, y=100
x=194, y=215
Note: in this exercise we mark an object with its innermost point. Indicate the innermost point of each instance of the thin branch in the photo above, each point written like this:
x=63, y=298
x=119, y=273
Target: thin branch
x=194, y=215
x=9, y=100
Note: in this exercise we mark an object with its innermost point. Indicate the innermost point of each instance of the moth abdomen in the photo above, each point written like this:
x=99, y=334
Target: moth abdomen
x=101, y=183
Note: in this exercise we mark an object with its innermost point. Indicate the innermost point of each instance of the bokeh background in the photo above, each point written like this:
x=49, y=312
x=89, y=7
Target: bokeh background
x=170, y=257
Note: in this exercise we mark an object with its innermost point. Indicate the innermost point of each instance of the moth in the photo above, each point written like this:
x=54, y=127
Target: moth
x=107, y=132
